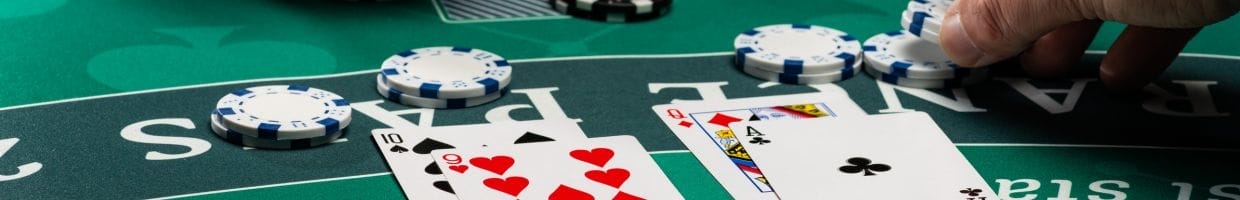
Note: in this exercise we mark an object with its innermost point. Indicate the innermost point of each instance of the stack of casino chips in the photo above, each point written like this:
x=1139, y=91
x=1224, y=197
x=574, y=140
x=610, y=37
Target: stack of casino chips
x=443, y=77
x=912, y=57
x=281, y=117
x=613, y=10
x=798, y=54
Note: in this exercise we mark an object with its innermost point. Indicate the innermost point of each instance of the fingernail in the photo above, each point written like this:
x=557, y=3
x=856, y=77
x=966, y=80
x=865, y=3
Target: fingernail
x=960, y=47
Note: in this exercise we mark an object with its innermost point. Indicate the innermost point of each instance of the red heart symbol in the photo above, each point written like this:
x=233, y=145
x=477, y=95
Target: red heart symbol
x=613, y=177
x=496, y=164
x=626, y=196
x=569, y=193
x=597, y=156
x=511, y=185
x=459, y=168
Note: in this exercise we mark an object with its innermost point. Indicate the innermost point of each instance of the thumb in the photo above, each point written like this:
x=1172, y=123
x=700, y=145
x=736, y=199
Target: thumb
x=982, y=32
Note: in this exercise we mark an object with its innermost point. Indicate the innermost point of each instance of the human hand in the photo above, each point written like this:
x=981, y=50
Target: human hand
x=1051, y=35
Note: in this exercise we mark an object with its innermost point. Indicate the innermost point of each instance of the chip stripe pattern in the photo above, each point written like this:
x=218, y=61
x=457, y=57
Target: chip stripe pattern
x=925, y=83
x=888, y=53
x=238, y=138
x=754, y=48
x=613, y=11
x=409, y=72
x=394, y=95
x=819, y=78
x=332, y=113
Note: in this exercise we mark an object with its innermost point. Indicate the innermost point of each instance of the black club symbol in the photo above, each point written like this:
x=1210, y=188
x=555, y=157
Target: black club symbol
x=971, y=192
x=759, y=141
x=859, y=164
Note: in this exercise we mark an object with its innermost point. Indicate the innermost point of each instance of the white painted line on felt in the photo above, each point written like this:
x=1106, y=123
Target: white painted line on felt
x=274, y=185
x=622, y=56
x=668, y=151
x=626, y=56
x=687, y=55
x=325, y=180
x=1201, y=55
x=687, y=151
x=1095, y=146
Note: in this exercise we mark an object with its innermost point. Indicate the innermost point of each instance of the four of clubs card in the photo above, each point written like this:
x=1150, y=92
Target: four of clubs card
x=703, y=128
x=889, y=156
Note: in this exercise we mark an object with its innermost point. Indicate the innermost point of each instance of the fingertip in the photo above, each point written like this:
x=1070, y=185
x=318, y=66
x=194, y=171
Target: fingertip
x=1057, y=52
x=961, y=48
x=1118, y=82
x=1140, y=55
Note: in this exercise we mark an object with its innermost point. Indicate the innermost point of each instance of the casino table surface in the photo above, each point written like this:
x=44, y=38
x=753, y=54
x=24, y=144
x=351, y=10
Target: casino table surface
x=108, y=99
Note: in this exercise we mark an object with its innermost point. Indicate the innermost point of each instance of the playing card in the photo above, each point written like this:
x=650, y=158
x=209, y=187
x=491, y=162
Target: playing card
x=616, y=167
x=407, y=151
x=891, y=156
x=703, y=128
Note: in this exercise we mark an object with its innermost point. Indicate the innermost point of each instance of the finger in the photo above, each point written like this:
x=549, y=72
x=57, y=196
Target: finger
x=1056, y=52
x=1140, y=54
x=982, y=32
x=1163, y=13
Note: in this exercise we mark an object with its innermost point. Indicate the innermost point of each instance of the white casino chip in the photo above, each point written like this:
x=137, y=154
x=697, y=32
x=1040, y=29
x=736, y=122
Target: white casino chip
x=250, y=141
x=283, y=112
x=902, y=54
x=937, y=8
x=923, y=33
x=925, y=83
x=924, y=17
x=636, y=6
x=804, y=79
x=797, y=49
x=613, y=10
x=447, y=72
x=397, y=96
x=925, y=21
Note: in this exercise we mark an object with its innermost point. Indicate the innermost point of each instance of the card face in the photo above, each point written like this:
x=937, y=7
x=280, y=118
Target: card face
x=407, y=151
x=890, y=156
x=703, y=128
x=615, y=167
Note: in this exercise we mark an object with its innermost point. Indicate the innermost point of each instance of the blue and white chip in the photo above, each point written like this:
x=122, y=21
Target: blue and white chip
x=901, y=54
x=920, y=21
x=400, y=97
x=797, y=49
x=804, y=79
x=921, y=25
x=937, y=8
x=924, y=18
x=925, y=34
x=283, y=112
x=447, y=72
x=925, y=83
x=238, y=138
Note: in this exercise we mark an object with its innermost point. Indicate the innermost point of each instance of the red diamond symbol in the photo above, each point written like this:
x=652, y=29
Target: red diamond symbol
x=723, y=120
x=686, y=124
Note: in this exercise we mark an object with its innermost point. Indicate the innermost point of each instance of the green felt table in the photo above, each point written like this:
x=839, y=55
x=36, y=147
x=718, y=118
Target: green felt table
x=108, y=99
